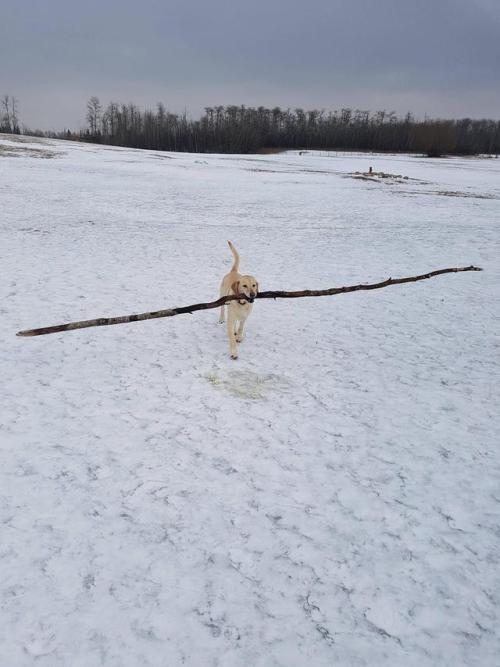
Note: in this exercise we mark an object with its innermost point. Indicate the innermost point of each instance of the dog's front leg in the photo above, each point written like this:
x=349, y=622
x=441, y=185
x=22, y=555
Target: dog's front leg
x=221, y=318
x=233, y=350
x=239, y=333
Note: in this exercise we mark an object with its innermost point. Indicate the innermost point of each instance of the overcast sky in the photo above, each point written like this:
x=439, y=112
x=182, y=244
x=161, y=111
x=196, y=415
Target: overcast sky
x=434, y=57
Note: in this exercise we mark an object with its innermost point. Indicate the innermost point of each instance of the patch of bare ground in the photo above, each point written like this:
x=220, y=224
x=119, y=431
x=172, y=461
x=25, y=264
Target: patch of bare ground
x=23, y=139
x=468, y=195
x=380, y=177
x=25, y=151
x=450, y=193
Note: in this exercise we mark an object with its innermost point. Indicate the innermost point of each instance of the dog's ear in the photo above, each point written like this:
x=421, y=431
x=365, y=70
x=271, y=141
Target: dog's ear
x=236, y=287
x=257, y=285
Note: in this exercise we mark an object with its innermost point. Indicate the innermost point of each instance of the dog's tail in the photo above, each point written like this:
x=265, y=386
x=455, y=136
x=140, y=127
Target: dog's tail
x=236, y=263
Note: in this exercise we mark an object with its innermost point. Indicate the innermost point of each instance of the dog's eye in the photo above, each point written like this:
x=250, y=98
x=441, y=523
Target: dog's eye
x=245, y=286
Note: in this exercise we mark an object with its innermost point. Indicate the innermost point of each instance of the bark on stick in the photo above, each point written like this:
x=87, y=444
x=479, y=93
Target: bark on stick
x=170, y=312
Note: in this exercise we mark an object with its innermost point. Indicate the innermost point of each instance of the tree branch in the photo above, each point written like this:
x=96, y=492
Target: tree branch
x=170, y=312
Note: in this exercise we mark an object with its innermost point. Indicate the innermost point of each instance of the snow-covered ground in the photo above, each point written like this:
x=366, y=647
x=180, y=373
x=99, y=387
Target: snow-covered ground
x=332, y=497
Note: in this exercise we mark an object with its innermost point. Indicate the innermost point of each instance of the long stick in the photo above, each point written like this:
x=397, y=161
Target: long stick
x=170, y=312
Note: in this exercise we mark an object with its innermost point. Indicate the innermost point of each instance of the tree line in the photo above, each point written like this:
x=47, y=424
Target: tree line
x=241, y=129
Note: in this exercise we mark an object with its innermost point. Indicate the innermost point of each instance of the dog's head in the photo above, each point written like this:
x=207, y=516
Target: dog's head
x=246, y=285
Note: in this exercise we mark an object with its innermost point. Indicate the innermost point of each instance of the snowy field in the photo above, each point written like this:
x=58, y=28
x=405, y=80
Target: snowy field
x=332, y=497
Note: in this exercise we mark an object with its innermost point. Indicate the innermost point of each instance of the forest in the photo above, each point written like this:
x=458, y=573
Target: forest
x=243, y=129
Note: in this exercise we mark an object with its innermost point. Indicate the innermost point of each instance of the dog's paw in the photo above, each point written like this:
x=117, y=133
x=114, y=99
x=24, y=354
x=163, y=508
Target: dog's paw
x=234, y=355
x=239, y=339
x=221, y=321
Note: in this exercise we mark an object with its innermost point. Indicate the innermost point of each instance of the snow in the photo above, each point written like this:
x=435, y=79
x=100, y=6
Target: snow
x=332, y=497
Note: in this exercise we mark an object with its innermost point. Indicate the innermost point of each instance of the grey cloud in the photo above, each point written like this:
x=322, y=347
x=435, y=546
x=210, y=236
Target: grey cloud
x=442, y=57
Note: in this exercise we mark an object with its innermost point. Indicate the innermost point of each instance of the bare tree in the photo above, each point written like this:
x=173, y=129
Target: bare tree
x=14, y=118
x=94, y=111
x=5, y=124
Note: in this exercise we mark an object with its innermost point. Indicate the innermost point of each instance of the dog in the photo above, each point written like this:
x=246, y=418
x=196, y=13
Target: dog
x=239, y=309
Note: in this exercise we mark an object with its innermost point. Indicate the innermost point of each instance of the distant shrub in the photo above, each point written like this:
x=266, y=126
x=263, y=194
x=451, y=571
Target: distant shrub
x=434, y=152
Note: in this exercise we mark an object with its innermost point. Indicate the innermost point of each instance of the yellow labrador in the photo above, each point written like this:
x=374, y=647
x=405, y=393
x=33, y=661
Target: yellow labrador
x=239, y=309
